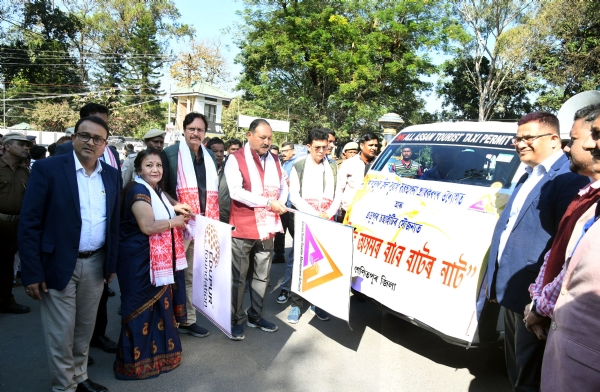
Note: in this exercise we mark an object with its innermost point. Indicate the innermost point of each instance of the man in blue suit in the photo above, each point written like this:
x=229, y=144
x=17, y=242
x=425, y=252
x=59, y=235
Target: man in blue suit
x=68, y=241
x=524, y=234
x=110, y=156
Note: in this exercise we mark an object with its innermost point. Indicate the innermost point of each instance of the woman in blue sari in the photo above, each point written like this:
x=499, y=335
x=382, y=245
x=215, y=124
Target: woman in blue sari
x=150, y=272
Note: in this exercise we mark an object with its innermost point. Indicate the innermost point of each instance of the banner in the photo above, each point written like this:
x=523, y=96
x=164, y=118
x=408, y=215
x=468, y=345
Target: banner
x=323, y=263
x=211, y=288
x=421, y=247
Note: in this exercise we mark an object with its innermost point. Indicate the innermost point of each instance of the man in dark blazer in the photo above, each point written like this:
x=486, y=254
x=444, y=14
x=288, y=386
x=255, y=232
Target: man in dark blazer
x=524, y=234
x=99, y=338
x=68, y=241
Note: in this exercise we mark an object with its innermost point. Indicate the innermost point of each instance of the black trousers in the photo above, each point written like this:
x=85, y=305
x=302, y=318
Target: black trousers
x=524, y=353
x=287, y=221
x=102, y=316
x=8, y=233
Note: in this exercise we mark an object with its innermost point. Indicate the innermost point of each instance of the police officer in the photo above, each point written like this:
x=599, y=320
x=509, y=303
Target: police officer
x=13, y=181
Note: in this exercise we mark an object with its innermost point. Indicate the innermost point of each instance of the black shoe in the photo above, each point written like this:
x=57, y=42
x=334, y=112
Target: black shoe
x=104, y=343
x=277, y=259
x=90, y=386
x=90, y=360
x=111, y=292
x=194, y=330
x=16, y=309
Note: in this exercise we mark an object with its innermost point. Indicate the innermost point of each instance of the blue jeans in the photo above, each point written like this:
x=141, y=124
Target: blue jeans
x=289, y=264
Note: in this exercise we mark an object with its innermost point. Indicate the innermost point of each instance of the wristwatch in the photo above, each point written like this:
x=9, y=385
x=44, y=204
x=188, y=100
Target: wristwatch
x=533, y=309
x=269, y=202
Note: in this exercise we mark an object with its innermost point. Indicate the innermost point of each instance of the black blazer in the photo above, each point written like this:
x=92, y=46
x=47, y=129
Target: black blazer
x=50, y=222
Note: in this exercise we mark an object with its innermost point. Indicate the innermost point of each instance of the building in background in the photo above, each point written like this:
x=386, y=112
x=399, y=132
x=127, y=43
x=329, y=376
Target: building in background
x=202, y=98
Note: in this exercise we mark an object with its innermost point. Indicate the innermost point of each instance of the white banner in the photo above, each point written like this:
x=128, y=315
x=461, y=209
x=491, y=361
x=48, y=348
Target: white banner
x=323, y=264
x=276, y=125
x=211, y=294
x=421, y=247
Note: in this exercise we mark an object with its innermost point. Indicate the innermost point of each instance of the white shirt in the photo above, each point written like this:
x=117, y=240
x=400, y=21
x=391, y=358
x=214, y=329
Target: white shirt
x=92, y=204
x=535, y=176
x=237, y=191
x=349, y=180
x=316, y=171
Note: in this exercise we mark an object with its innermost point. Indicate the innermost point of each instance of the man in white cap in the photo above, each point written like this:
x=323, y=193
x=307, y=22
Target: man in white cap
x=155, y=139
x=349, y=150
x=14, y=178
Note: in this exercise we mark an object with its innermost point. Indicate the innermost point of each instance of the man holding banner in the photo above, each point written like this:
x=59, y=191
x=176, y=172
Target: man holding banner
x=190, y=176
x=312, y=189
x=258, y=193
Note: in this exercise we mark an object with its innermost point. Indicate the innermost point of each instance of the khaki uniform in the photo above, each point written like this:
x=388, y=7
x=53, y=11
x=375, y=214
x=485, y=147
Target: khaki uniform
x=12, y=192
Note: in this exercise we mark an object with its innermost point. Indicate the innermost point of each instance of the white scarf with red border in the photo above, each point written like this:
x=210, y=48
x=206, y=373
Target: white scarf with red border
x=268, y=222
x=187, y=187
x=109, y=157
x=312, y=184
x=161, y=244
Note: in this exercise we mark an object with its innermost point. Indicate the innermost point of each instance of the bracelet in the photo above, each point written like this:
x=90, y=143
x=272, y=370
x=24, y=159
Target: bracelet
x=170, y=226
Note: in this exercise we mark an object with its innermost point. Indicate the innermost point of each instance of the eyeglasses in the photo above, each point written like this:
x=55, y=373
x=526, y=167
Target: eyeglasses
x=195, y=130
x=84, y=137
x=529, y=139
x=320, y=148
x=289, y=149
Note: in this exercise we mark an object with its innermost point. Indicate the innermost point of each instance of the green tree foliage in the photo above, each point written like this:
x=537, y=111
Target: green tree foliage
x=562, y=41
x=55, y=117
x=111, y=51
x=461, y=98
x=40, y=45
x=144, y=62
x=340, y=64
x=34, y=56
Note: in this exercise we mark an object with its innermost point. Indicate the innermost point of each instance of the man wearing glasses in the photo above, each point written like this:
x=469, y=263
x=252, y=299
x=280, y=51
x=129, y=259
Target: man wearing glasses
x=524, y=234
x=68, y=241
x=111, y=157
x=195, y=184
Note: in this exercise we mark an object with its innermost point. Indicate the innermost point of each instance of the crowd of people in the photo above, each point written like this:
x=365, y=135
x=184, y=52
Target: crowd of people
x=88, y=218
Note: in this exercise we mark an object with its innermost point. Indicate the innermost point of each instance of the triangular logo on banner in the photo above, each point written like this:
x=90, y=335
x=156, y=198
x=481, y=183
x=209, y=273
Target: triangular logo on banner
x=314, y=253
x=478, y=206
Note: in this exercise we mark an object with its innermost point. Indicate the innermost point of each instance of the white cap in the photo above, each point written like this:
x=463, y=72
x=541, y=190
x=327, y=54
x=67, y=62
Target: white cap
x=568, y=109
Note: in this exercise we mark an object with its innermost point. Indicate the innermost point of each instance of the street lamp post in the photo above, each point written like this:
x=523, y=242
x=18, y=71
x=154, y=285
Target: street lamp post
x=390, y=122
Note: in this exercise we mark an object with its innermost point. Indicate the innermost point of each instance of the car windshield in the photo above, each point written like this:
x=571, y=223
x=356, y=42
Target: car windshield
x=464, y=164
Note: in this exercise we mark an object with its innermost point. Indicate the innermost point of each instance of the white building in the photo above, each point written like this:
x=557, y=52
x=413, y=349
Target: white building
x=202, y=98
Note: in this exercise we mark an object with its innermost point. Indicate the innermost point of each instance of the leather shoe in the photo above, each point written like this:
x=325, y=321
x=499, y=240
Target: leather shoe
x=90, y=360
x=90, y=386
x=104, y=343
x=111, y=292
x=16, y=309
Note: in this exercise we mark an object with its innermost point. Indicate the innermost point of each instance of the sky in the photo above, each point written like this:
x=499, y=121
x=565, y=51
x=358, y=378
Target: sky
x=210, y=19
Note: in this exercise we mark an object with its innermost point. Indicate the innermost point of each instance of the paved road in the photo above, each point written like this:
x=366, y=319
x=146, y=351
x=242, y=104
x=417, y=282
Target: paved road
x=380, y=353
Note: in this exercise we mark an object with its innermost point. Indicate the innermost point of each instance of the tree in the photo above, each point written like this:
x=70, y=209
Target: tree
x=35, y=57
x=203, y=61
x=54, y=117
x=485, y=22
x=143, y=64
x=562, y=41
x=462, y=99
x=340, y=64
